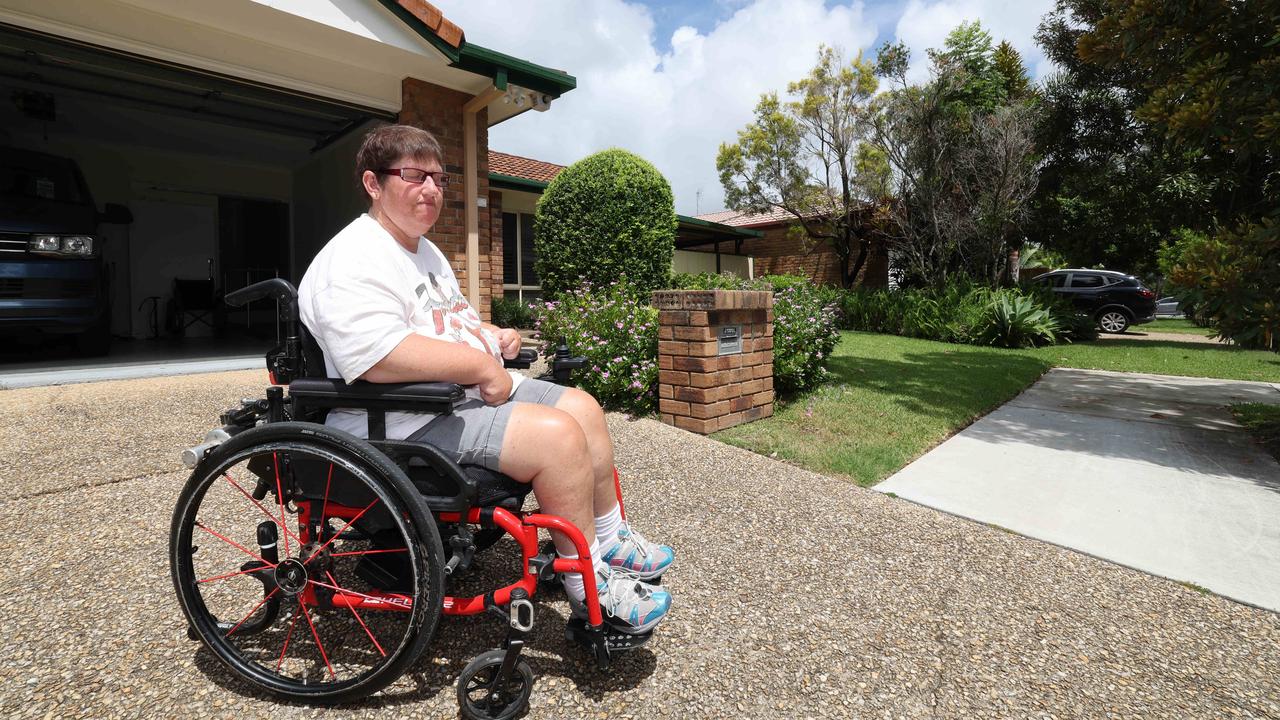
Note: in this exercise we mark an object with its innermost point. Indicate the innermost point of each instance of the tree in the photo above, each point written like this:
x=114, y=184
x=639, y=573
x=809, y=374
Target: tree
x=805, y=157
x=608, y=215
x=962, y=159
x=1013, y=72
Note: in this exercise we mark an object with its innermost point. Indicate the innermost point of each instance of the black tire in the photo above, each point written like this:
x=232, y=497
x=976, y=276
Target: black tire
x=333, y=654
x=478, y=700
x=1113, y=320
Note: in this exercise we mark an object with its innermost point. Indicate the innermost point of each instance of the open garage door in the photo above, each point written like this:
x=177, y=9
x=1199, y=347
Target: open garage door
x=225, y=179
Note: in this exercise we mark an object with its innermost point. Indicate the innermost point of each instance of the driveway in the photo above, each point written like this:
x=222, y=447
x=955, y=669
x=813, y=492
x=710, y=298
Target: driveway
x=1149, y=471
x=796, y=595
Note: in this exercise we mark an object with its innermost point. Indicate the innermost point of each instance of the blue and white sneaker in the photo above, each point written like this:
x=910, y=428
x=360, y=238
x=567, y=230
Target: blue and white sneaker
x=628, y=604
x=631, y=551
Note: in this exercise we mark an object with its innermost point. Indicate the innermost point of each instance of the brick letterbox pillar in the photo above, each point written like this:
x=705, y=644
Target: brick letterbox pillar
x=715, y=357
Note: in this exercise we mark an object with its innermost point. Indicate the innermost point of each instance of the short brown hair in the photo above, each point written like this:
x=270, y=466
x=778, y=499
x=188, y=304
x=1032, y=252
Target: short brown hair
x=384, y=145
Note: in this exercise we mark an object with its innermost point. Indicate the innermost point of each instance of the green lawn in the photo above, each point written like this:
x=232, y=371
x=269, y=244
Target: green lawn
x=894, y=398
x=1180, y=326
x=1263, y=422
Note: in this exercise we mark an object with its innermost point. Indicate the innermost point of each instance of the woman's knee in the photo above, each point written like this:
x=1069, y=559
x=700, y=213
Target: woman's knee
x=538, y=437
x=581, y=405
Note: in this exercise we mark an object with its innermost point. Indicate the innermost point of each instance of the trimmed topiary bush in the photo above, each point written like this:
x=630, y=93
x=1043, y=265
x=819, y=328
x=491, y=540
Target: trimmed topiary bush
x=606, y=216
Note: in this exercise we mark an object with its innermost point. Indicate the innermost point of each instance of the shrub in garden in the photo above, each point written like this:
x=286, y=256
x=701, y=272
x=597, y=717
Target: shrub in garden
x=804, y=334
x=509, y=312
x=618, y=335
x=1233, y=281
x=608, y=215
x=1014, y=320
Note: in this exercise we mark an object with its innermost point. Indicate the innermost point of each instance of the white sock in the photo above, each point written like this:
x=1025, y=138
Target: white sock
x=607, y=526
x=573, y=581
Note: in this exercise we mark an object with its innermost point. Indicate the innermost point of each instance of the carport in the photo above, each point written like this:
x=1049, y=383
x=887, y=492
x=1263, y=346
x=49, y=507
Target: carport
x=227, y=129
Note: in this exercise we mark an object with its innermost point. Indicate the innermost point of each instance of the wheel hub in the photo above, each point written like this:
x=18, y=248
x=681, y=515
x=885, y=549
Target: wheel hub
x=291, y=576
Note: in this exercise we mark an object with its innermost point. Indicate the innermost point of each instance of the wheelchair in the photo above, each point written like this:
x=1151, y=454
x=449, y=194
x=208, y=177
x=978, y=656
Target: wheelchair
x=316, y=566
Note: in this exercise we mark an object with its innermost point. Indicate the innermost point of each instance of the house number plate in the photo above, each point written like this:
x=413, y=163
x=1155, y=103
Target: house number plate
x=730, y=337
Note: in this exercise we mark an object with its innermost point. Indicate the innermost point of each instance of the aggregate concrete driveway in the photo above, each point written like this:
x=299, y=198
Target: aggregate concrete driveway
x=1150, y=471
x=796, y=595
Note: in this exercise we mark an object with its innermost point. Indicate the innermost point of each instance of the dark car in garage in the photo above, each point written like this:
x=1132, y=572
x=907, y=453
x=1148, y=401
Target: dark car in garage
x=52, y=277
x=1113, y=299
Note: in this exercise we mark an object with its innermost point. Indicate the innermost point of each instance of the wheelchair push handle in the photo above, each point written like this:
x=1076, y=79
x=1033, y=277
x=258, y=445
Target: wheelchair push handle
x=277, y=289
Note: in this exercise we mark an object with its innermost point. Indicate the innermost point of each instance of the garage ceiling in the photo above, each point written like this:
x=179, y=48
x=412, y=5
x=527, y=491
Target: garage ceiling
x=81, y=75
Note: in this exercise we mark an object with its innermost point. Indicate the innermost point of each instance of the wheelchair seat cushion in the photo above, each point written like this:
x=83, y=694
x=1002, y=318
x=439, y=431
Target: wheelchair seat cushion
x=494, y=487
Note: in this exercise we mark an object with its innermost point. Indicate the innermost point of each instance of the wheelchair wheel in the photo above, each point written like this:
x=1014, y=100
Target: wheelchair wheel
x=306, y=562
x=482, y=697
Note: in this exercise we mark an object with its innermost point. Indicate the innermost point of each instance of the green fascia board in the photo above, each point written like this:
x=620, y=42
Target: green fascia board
x=696, y=222
x=483, y=61
x=489, y=63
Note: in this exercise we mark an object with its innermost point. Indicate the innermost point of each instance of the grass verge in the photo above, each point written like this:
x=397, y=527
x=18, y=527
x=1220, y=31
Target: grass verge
x=894, y=398
x=1263, y=422
x=1177, y=326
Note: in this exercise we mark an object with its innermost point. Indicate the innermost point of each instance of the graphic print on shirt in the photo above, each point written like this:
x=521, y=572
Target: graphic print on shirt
x=451, y=315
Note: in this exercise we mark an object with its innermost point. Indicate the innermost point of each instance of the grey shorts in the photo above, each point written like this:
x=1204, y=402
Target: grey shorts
x=473, y=434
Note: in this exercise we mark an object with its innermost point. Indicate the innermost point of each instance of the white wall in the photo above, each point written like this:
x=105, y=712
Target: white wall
x=686, y=261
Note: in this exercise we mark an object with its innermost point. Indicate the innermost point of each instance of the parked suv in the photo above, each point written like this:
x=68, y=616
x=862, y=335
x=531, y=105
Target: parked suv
x=1114, y=300
x=52, y=277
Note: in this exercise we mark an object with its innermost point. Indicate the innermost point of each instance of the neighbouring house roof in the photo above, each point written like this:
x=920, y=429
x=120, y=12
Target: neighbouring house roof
x=513, y=172
x=522, y=168
x=735, y=218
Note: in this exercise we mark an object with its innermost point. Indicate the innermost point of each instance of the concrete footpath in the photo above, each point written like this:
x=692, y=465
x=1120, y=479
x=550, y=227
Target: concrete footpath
x=1149, y=471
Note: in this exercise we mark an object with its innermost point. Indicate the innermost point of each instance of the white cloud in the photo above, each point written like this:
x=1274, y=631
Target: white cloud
x=925, y=25
x=673, y=109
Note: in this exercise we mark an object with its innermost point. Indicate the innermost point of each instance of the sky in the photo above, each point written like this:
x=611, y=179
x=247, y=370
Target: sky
x=670, y=80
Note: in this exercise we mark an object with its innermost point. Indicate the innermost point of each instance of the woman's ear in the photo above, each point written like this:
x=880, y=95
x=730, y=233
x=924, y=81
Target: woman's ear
x=371, y=187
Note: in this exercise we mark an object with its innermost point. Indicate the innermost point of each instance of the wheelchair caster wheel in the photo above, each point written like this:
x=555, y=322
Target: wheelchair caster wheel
x=481, y=694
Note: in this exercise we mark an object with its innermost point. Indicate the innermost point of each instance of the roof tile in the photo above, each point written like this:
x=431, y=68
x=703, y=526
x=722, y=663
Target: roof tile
x=522, y=167
x=739, y=219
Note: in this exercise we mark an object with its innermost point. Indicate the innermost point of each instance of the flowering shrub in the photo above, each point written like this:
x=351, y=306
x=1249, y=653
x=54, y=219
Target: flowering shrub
x=616, y=333
x=804, y=334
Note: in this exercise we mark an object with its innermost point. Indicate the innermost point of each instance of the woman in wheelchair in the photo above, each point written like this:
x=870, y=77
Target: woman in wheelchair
x=374, y=297
x=426, y=434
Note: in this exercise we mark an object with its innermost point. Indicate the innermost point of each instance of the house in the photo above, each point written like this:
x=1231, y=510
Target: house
x=517, y=182
x=781, y=251
x=228, y=128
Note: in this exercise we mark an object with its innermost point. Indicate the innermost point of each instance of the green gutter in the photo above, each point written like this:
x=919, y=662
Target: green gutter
x=498, y=181
x=697, y=222
x=483, y=61
x=489, y=63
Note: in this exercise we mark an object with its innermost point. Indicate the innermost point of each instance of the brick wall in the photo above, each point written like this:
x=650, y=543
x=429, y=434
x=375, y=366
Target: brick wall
x=439, y=110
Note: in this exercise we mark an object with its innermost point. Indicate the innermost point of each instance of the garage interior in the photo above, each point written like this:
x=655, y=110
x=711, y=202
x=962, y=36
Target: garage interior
x=228, y=181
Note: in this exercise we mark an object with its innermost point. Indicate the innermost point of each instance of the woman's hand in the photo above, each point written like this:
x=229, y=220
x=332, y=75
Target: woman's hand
x=510, y=341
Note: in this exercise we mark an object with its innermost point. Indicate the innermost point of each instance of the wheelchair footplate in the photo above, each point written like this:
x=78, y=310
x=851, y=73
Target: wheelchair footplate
x=604, y=641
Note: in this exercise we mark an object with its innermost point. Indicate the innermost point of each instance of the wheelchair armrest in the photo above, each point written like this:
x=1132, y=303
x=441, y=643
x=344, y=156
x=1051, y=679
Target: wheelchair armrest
x=522, y=361
x=435, y=397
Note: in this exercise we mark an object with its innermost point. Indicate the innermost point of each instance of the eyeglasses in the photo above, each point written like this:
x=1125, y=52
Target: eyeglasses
x=418, y=176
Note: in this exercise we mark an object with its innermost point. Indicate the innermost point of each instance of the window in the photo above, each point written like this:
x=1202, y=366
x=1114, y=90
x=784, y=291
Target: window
x=1052, y=280
x=1079, y=280
x=519, y=281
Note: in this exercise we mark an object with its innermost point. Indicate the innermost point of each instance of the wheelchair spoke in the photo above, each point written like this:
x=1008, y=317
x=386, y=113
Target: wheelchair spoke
x=233, y=544
x=347, y=592
x=358, y=619
x=261, y=602
x=258, y=505
x=324, y=506
x=316, y=635
x=275, y=460
x=229, y=575
x=344, y=529
x=287, y=635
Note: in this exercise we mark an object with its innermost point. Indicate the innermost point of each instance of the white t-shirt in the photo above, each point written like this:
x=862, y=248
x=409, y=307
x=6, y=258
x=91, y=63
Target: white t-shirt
x=364, y=294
